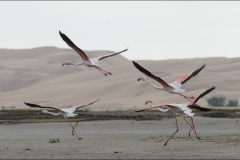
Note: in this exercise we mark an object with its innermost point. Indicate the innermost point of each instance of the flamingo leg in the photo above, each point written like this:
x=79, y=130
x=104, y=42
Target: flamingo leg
x=185, y=97
x=74, y=130
x=75, y=126
x=192, y=126
x=104, y=71
x=191, y=119
x=173, y=133
x=189, y=125
x=100, y=71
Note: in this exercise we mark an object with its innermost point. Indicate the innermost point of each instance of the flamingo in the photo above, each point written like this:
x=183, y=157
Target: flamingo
x=65, y=112
x=174, y=87
x=183, y=110
x=89, y=62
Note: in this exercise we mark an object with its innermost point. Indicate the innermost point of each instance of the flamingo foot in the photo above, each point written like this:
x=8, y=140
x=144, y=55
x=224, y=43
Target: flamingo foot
x=198, y=138
x=189, y=134
x=165, y=144
x=72, y=133
x=105, y=74
x=79, y=138
x=109, y=73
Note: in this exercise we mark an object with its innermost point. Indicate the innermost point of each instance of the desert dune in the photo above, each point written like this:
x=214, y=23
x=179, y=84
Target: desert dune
x=36, y=75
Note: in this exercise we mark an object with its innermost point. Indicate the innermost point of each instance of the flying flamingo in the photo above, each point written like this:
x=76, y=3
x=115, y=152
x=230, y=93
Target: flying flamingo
x=89, y=62
x=183, y=110
x=65, y=112
x=174, y=87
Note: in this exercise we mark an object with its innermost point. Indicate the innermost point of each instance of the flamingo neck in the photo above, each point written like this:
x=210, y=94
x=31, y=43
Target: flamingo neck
x=153, y=102
x=161, y=88
x=55, y=114
x=163, y=110
x=75, y=64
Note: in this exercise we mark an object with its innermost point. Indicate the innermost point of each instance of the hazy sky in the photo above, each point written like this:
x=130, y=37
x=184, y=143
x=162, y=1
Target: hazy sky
x=152, y=30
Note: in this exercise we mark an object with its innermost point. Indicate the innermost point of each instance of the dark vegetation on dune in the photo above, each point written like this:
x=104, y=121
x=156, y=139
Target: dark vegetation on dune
x=35, y=116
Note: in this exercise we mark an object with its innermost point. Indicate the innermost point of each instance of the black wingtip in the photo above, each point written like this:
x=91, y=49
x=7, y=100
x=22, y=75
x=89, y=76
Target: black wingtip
x=197, y=107
x=31, y=105
x=140, y=68
x=211, y=89
x=137, y=111
x=205, y=109
x=204, y=93
x=135, y=63
x=97, y=99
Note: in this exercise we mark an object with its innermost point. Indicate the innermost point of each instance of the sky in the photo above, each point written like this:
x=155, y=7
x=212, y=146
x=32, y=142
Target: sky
x=152, y=30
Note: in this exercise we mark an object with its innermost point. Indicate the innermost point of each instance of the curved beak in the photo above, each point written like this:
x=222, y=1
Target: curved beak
x=63, y=64
x=146, y=102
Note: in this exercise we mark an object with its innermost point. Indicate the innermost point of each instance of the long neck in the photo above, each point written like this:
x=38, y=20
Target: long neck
x=161, y=88
x=153, y=102
x=55, y=114
x=75, y=64
x=163, y=110
x=160, y=108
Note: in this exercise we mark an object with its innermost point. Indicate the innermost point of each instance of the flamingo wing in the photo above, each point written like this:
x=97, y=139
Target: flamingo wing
x=195, y=98
x=197, y=107
x=149, y=74
x=109, y=55
x=188, y=76
x=73, y=46
x=77, y=107
x=37, y=106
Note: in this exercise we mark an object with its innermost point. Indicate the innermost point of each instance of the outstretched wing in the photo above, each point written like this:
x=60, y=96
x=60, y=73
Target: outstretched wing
x=73, y=46
x=37, y=106
x=195, y=98
x=149, y=74
x=109, y=55
x=77, y=107
x=188, y=76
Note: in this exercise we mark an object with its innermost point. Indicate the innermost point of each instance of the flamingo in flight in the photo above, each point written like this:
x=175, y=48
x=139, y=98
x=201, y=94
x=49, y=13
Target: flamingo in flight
x=174, y=87
x=65, y=112
x=89, y=62
x=183, y=110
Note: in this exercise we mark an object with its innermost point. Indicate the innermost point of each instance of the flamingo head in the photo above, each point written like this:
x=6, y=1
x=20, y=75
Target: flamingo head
x=148, y=101
x=65, y=63
x=141, y=79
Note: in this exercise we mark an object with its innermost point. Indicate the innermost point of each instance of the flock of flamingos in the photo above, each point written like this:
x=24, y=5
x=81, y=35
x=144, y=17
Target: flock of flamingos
x=183, y=110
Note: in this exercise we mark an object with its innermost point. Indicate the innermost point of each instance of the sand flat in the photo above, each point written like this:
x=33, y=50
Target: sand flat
x=122, y=139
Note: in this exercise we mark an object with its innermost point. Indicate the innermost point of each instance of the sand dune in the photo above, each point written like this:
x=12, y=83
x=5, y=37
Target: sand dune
x=37, y=75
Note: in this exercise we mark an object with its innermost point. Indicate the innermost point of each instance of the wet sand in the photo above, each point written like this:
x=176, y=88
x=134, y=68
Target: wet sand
x=122, y=139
